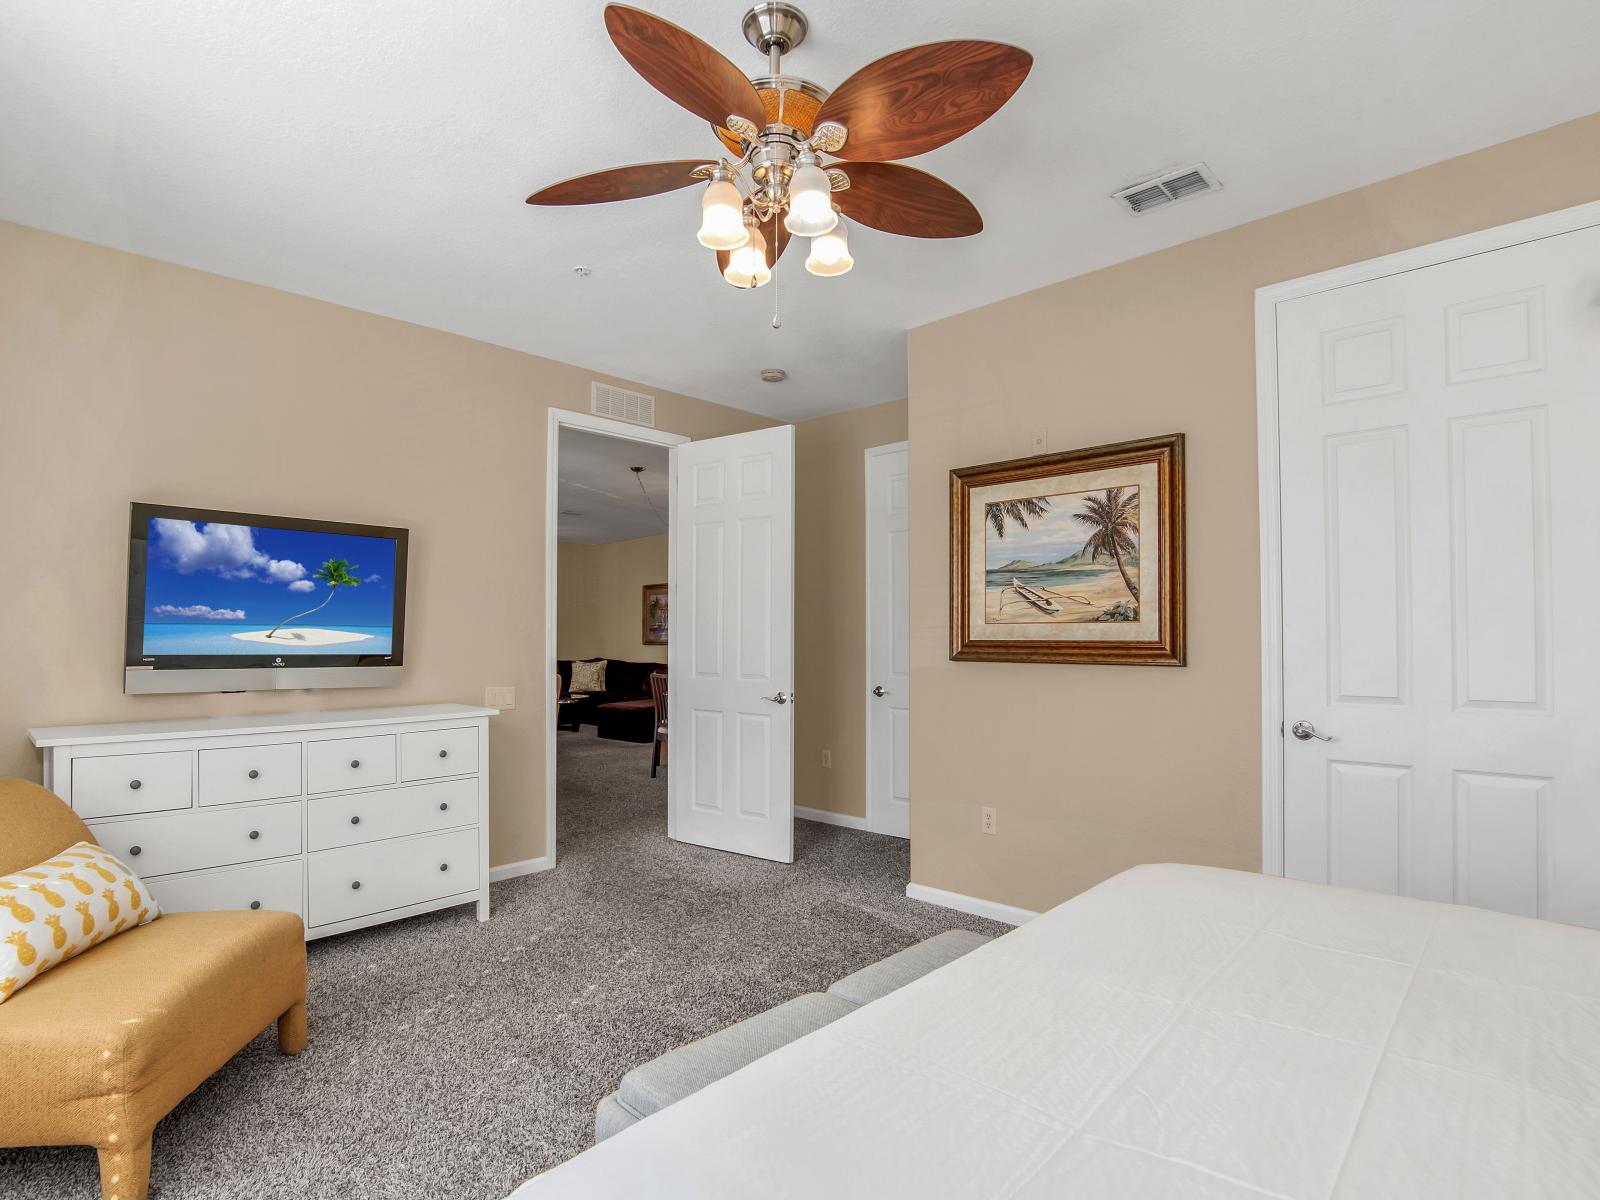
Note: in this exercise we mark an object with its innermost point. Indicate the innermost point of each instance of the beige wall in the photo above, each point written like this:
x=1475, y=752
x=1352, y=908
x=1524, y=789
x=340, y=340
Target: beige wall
x=600, y=597
x=122, y=378
x=830, y=602
x=1096, y=768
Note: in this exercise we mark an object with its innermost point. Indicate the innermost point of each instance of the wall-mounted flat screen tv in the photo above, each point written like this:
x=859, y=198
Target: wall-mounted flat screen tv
x=225, y=601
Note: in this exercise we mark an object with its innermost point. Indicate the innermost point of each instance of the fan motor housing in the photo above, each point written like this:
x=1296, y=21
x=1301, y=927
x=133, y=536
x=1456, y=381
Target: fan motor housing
x=791, y=106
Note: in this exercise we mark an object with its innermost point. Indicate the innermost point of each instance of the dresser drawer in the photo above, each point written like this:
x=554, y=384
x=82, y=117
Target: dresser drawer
x=340, y=763
x=436, y=752
x=242, y=773
x=120, y=784
x=359, y=880
x=274, y=885
x=204, y=838
x=333, y=821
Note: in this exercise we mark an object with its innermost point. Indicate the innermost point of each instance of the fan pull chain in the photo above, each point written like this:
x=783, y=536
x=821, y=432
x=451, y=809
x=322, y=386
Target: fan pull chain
x=777, y=321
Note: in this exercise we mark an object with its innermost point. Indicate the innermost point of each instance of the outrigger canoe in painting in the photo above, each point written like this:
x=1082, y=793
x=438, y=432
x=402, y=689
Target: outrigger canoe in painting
x=1034, y=597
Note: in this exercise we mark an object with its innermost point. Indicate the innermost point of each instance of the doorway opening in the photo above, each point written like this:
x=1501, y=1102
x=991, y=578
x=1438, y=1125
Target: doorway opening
x=608, y=573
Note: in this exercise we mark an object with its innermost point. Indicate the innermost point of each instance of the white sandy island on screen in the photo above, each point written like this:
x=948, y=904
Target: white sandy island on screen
x=303, y=637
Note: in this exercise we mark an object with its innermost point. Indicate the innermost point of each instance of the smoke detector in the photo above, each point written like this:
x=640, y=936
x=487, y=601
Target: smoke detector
x=1168, y=188
x=773, y=374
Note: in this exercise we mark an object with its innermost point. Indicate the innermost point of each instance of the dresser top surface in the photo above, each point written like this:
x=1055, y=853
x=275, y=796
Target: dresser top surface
x=135, y=731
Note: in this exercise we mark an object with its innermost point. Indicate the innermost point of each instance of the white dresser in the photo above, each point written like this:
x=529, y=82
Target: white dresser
x=347, y=818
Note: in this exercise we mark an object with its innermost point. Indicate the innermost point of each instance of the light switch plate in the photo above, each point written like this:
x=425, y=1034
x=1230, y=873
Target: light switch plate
x=500, y=697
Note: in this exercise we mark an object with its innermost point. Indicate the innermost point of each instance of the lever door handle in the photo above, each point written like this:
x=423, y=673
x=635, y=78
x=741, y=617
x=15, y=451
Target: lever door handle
x=878, y=691
x=780, y=698
x=1305, y=731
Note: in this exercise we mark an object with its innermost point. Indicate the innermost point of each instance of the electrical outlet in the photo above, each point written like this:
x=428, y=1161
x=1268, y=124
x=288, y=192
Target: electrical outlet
x=987, y=819
x=500, y=697
x=827, y=758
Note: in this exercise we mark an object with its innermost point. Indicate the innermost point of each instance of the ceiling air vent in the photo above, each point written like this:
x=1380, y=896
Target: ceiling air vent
x=621, y=404
x=1169, y=188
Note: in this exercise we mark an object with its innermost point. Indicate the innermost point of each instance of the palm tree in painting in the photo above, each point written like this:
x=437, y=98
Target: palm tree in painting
x=336, y=573
x=1113, y=515
x=1019, y=511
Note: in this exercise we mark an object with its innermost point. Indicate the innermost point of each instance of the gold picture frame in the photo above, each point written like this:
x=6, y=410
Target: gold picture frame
x=654, y=616
x=1075, y=557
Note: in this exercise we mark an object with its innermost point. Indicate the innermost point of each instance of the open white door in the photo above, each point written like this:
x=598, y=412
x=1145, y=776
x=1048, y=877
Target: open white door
x=731, y=654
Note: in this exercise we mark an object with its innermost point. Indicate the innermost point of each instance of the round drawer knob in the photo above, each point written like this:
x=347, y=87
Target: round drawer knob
x=444, y=808
x=136, y=850
x=355, y=820
x=135, y=784
x=255, y=774
x=444, y=866
x=254, y=834
x=255, y=904
x=356, y=886
x=355, y=763
x=444, y=754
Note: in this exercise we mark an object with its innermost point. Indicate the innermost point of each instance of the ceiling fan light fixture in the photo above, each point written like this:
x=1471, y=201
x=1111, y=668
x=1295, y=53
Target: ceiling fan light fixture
x=747, y=266
x=811, y=212
x=722, y=224
x=830, y=252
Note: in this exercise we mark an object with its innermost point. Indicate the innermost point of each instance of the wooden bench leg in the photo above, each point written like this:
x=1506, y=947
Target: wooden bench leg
x=292, y=1030
x=125, y=1171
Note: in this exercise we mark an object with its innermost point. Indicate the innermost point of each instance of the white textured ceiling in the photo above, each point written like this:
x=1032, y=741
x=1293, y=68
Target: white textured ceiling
x=597, y=497
x=377, y=154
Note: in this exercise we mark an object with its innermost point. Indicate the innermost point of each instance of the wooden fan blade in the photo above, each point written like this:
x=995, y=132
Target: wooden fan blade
x=778, y=238
x=904, y=200
x=918, y=99
x=621, y=183
x=681, y=67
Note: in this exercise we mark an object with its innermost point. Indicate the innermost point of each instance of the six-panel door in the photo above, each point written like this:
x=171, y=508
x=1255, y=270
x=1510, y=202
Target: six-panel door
x=1441, y=555
x=731, y=658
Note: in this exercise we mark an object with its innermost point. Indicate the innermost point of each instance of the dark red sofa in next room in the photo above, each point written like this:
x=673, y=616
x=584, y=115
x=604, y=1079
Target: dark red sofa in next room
x=623, y=712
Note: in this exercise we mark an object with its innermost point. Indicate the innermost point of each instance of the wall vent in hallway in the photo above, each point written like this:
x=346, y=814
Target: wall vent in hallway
x=1165, y=189
x=637, y=408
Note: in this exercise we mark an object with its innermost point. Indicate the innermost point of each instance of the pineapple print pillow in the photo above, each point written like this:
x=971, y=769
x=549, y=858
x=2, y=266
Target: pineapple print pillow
x=61, y=907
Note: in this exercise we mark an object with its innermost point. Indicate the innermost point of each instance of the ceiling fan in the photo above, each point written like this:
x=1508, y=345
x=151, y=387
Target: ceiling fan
x=778, y=127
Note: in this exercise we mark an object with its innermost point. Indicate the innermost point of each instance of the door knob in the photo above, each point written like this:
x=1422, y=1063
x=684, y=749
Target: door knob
x=1305, y=731
x=878, y=691
x=780, y=698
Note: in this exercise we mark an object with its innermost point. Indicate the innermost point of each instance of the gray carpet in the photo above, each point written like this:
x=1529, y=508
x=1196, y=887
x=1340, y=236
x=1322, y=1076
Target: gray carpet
x=452, y=1060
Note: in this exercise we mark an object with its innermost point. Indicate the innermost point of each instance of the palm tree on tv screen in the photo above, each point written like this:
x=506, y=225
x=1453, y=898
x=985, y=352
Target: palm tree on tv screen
x=336, y=573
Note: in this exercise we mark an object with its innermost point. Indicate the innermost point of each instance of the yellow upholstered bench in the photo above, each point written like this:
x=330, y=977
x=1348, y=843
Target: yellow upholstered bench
x=97, y=1050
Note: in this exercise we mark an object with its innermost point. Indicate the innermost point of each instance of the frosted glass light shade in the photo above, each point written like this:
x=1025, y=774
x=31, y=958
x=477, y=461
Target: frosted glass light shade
x=830, y=253
x=810, y=200
x=747, y=266
x=722, y=224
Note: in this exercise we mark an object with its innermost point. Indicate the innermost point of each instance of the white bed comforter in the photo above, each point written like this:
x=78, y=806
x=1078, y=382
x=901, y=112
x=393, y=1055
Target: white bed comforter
x=1176, y=1031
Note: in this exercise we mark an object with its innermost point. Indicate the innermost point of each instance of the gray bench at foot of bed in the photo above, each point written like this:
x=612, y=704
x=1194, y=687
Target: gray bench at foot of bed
x=678, y=1073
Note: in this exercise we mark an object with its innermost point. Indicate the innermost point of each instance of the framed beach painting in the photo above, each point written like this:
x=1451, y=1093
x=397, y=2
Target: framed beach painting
x=655, y=614
x=1075, y=557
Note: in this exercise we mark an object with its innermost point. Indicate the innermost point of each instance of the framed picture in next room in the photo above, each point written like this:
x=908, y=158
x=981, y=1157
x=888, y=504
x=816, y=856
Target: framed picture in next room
x=1074, y=557
x=655, y=614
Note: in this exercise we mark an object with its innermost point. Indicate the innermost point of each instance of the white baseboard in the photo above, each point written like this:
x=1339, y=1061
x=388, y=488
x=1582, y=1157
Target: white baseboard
x=528, y=866
x=992, y=909
x=823, y=817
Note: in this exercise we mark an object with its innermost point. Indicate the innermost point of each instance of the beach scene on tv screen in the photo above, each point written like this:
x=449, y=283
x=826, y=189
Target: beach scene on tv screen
x=214, y=589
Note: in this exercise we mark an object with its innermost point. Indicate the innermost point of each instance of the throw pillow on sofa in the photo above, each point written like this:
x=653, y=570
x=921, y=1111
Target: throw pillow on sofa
x=69, y=902
x=588, y=675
